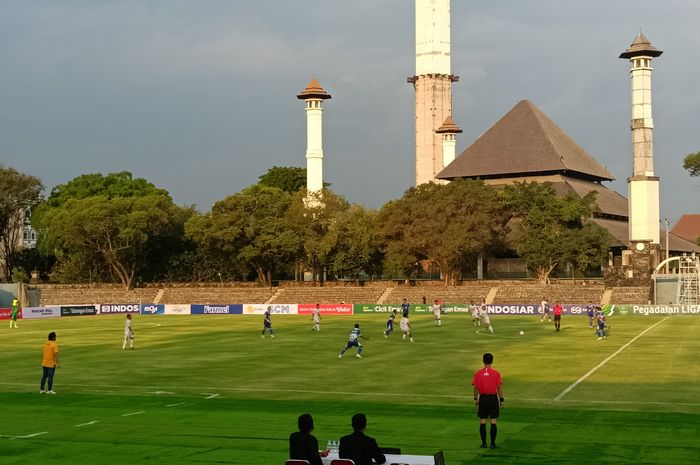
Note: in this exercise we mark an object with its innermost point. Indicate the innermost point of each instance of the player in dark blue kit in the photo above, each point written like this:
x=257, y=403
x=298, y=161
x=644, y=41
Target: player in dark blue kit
x=354, y=342
x=405, y=308
x=390, y=324
x=590, y=312
x=267, y=323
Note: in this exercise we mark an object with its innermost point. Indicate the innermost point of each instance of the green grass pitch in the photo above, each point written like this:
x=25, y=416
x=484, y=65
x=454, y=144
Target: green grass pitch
x=208, y=389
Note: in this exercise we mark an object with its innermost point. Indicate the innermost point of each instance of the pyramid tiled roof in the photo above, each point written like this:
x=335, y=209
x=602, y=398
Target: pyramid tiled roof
x=525, y=142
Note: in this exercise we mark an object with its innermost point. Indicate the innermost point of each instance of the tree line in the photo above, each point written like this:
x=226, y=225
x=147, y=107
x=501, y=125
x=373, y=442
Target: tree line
x=117, y=228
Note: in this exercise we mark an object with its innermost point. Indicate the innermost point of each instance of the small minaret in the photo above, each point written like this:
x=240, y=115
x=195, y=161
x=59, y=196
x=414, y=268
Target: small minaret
x=449, y=141
x=433, y=84
x=313, y=95
x=643, y=185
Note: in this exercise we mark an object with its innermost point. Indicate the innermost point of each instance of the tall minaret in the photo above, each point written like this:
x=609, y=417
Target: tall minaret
x=449, y=141
x=433, y=84
x=643, y=186
x=313, y=95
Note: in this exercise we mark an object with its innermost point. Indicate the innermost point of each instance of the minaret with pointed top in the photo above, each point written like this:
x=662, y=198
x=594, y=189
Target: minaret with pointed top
x=433, y=84
x=643, y=185
x=448, y=131
x=313, y=95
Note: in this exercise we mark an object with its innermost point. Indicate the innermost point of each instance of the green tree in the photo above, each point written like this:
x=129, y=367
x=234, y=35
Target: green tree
x=551, y=230
x=692, y=163
x=19, y=192
x=287, y=178
x=448, y=224
x=248, y=228
x=357, y=251
x=111, y=224
x=314, y=218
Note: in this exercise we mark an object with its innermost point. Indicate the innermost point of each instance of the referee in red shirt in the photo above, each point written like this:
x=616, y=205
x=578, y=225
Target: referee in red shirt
x=488, y=397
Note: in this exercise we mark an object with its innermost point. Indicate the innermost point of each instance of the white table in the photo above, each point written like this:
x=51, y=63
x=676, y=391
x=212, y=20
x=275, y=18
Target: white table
x=392, y=458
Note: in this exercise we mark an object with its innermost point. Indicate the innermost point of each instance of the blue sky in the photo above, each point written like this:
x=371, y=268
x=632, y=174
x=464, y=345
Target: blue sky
x=199, y=97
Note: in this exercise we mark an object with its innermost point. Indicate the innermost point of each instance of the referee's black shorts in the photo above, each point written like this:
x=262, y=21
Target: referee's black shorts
x=488, y=406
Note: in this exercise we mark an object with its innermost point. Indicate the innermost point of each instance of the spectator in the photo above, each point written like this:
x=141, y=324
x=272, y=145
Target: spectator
x=302, y=444
x=360, y=448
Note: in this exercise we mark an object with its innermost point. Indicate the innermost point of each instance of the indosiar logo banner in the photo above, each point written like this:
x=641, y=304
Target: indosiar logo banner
x=325, y=309
x=152, y=309
x=280, y=309
x=78, y=310
x=106, y=309
x=41, y=312
x=533, y=309
x=216, y=309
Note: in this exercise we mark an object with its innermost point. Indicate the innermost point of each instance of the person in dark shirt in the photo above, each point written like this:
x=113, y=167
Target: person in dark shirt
x=302, y=444
x=360, y=448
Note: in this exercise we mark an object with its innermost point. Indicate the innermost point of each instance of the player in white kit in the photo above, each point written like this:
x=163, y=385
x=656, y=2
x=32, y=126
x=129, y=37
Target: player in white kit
x=437, y=312
x=485, y=318
x=128, y=332
x=316, y=318
x=406, y=328
x=476, y=313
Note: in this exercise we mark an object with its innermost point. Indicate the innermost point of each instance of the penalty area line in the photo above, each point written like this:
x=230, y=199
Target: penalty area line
x=601, y=364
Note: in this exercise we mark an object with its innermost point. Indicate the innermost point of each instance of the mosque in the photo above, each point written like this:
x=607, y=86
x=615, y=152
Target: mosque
x=526, y=145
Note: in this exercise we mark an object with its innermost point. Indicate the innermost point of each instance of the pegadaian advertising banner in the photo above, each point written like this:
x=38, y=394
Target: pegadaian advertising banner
x=78, y=310
x=652, y=310
x=280, y=309
x=218, y=309
x=41, y=312
x=326, y=309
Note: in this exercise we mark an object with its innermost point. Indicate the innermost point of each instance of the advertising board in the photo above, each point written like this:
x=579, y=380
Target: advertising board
x=177, y=309
x=280, y=309
x=41, y=312
x=325, y=309
x=206, y=309
x=152, y=309
x=109, y=309
x=78, y=310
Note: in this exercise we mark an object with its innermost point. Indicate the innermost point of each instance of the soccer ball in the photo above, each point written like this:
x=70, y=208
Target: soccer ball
x=522, y=333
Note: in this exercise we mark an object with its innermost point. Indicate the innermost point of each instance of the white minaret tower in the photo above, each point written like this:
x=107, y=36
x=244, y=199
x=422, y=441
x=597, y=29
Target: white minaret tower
x=433, y=84
x=643, y=186
x=313, y=95
x=448, y=131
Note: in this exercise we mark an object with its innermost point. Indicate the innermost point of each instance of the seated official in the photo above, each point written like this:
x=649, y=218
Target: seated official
x=360, y=448
x=302, y=444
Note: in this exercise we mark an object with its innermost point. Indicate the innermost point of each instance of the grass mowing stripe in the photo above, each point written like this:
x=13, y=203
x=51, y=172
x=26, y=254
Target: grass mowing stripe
x=601, y=364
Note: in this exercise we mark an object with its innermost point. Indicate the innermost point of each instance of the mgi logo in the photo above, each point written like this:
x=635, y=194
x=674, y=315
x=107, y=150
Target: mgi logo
x=152, y=309
x=576, y=310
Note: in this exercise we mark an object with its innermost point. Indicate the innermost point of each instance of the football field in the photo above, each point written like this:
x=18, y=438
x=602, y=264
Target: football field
x=207, y=389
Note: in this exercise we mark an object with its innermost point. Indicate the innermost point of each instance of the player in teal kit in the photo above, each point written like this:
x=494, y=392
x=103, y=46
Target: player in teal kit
x=353, y=341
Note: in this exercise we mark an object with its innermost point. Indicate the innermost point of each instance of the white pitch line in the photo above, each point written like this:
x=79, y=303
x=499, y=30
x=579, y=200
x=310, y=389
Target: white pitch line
x=87, y=424
x=24, y=437
x=175, y=405
x=133, y=413
x=595, y=368
x=209, y=395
